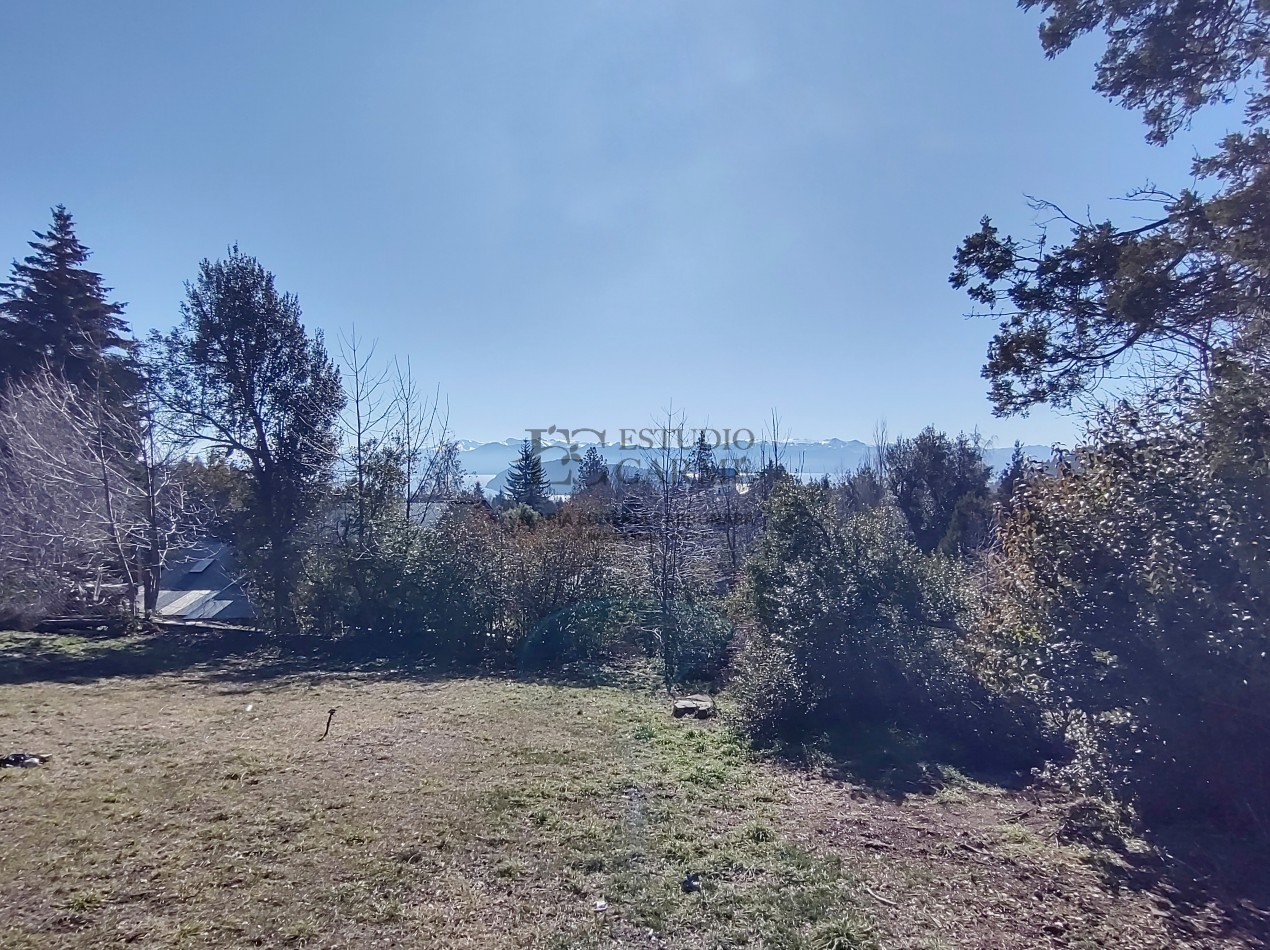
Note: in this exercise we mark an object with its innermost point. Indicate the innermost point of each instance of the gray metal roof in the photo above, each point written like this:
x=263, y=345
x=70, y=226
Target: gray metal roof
x=203, y=582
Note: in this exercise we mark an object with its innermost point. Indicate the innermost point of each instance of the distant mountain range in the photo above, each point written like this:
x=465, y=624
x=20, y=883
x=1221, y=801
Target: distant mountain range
x=488, y=462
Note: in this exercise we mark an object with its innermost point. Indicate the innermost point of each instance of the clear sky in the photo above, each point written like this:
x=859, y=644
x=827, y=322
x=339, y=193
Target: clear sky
x=572, y=213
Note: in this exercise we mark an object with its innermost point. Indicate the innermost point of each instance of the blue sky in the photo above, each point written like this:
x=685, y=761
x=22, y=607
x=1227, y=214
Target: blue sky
x=573, y=213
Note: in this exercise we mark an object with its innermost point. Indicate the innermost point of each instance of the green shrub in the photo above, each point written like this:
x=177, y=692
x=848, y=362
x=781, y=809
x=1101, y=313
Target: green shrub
x=408, y=589
x=472, y=588
x=850, y=625
x=1129, y=598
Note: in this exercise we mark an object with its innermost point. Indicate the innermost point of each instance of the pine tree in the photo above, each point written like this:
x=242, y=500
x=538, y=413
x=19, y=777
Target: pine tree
x=593, y=471
x=704, y=467
x=54, y=313
x=527, y=483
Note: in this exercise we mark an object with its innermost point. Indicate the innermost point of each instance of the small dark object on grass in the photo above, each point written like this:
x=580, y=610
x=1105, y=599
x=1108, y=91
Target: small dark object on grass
x=329, y=716
x=22, y=760
x=691, y=883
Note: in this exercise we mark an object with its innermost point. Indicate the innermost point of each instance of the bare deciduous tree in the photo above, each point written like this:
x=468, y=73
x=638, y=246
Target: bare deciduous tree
x=421, y=431
x=671, y=524
x=84, y=523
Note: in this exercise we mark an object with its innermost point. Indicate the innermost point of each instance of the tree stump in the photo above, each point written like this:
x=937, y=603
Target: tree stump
x=698, y=707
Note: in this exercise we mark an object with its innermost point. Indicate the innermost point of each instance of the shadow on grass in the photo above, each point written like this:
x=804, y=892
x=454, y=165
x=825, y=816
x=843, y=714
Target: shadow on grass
x=892, y=763
x=1208, y=884
x=222, y=654
x=251, y=656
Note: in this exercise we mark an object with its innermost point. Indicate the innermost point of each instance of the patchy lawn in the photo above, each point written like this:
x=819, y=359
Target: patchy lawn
x=188, y=807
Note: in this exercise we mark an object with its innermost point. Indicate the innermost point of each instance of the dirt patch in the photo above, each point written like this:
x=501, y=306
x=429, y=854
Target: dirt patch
x=980, y=867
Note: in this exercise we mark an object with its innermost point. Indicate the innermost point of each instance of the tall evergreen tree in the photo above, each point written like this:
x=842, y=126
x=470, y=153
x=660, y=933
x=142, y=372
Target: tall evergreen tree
x=527, y=483
x=704, y=465
x=54, y=313
x=593, y=471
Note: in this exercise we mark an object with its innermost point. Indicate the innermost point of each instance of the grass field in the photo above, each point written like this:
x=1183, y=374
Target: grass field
x=191, y=802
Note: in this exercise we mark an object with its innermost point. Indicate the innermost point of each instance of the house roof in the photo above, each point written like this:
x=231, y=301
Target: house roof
x=203, y=582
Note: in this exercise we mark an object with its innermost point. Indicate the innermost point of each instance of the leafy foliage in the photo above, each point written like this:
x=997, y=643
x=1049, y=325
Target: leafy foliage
x=1128, y=592
x=1165, y=58
x=851, y=625
x=941, y=486
x=471, y=588
x=241, y=375
x=1130, y=597
x=1157, y=302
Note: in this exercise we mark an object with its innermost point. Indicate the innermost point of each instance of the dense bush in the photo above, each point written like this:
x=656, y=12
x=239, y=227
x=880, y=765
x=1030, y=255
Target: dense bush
x=471, y=587
x=402, y=587
x=1130, y=597
x=584, y=632
x=941, y=485
x=563, y=584
x=851, y=626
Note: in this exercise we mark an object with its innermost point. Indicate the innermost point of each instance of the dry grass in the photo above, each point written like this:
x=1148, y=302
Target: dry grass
x=487, y=813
